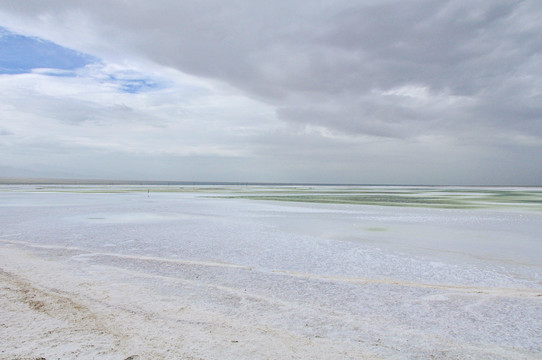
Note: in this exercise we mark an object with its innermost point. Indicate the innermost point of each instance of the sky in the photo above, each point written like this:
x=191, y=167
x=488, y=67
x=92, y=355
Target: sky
x=367, y=91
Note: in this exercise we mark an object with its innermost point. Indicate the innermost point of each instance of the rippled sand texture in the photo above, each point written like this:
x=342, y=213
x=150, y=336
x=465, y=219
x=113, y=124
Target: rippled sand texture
x=259, y=273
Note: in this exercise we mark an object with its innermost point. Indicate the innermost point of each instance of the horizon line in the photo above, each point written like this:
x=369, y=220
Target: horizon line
x=72, y=181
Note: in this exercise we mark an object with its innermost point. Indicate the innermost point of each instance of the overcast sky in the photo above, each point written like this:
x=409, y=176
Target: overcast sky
x=387, y=91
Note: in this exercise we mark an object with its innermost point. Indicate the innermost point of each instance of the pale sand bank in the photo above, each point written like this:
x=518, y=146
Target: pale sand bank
x=53, y=311
x=59, y=316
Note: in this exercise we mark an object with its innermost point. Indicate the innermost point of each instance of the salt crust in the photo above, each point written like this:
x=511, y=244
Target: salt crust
x=190, y=277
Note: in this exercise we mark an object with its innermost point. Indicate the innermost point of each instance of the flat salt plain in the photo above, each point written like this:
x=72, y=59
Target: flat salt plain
x=253, y=272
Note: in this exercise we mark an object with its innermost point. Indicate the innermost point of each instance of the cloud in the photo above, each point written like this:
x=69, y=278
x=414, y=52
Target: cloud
x=292, y=56
x=355, y=82
x=90, y=110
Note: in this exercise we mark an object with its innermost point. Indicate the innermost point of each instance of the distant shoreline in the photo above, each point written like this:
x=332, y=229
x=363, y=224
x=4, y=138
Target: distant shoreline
x=52, y=181
x=46, y=181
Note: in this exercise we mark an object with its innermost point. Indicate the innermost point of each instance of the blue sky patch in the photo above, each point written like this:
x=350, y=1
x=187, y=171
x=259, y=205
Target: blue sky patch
x=132, y=82
x=136, y=86
x=21, y=54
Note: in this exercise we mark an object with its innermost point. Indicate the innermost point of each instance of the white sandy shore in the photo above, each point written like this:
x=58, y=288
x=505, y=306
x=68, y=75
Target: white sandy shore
x=60, y=316
x=109, y=276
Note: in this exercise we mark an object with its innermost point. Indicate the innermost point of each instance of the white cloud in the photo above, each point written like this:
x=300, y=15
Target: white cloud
x=184, y=116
